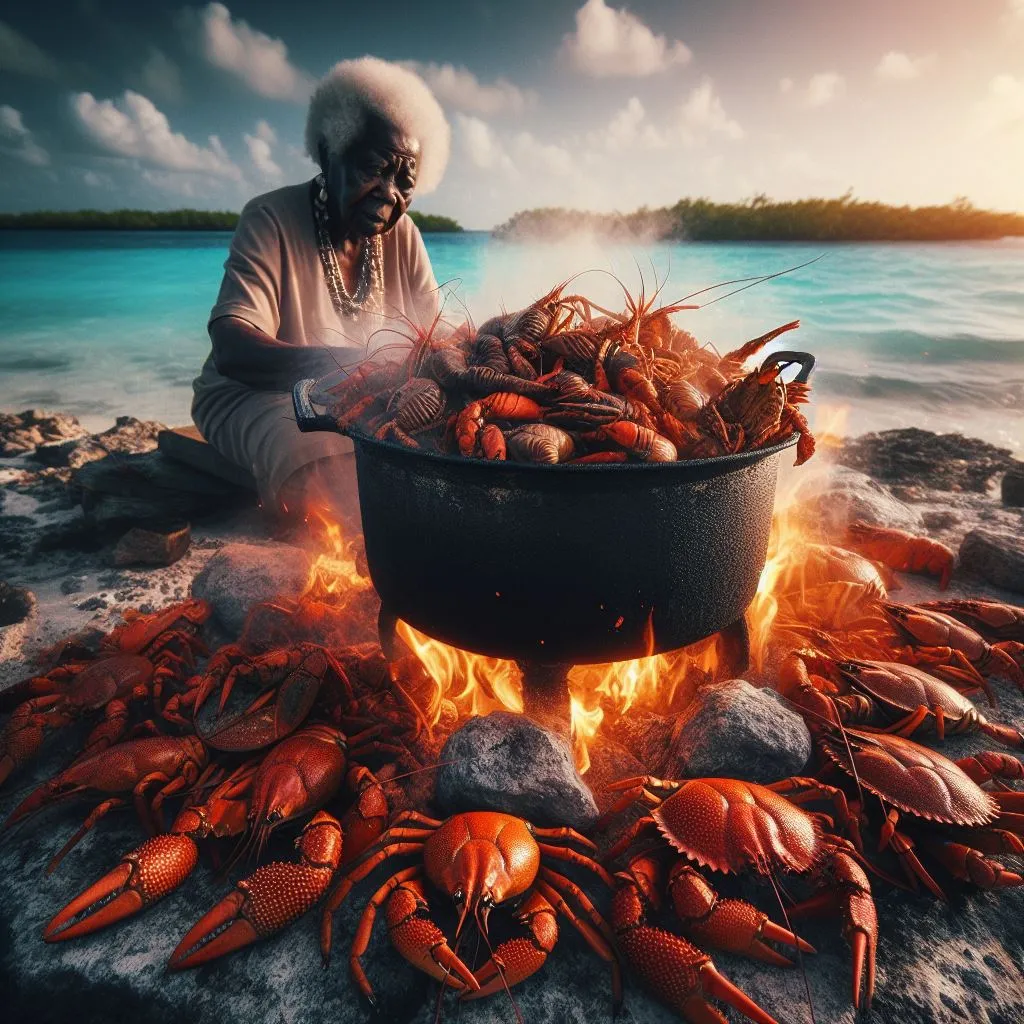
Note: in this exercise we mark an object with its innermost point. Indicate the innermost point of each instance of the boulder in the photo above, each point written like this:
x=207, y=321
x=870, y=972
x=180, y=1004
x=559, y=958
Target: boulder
x=735, y=730
x=506, y=762
x=240, y=575
x=152, y=547
x=1012, y=487
x=128, y=436
x=23, y=432
x=912, y=456
x=830, y=503
x=16, y=604
x=995, y=557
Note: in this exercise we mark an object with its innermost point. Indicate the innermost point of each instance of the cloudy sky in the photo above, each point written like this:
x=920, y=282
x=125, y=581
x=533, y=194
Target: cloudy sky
x=111, y=103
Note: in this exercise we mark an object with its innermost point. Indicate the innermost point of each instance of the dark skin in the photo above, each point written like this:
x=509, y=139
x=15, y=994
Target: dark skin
x=369, y=187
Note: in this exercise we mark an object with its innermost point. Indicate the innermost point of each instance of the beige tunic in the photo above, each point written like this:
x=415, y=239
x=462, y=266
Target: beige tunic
x=274, y=280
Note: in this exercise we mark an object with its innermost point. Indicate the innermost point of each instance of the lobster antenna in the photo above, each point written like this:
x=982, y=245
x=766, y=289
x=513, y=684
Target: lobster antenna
x=761, y=280
x=799, y=952
x=501, y=973
x=849, y=751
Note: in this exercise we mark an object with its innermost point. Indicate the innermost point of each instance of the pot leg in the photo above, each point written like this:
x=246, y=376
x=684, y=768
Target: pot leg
x=734, y=649
x=387, y=637
x=546, y=694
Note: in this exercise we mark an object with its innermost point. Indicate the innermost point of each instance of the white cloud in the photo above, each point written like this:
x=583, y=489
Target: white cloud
x=1002, y=109
x=824, y=87
x=545, y=157
x=20, y=56
x=700, y=117
x=96, y=180
x=628, y=129
x=17, y=141
x=134, y=127
x=256, y=58
x=820, y=90
x=610, y=42
x=897, y=66
x=1015, y=9
x=261, y=151
x=161, y=77
x=703, y=113
x=479, y=143
x=460, y=89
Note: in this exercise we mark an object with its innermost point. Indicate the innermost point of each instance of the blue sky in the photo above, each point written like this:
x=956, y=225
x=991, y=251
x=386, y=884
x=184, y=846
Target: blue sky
x=590, y=104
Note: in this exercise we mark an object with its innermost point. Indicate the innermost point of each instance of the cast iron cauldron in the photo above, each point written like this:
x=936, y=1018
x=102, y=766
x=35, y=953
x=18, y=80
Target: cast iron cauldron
x=561, y=563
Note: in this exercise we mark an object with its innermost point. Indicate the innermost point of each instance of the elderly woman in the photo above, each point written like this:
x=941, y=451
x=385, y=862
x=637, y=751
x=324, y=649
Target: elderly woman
x=316, y=276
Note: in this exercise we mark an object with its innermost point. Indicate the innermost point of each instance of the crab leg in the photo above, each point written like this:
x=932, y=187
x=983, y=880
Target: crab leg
x=268, y=900
x=992, y=764
x=846, y=888
x=516, y=959
x=413, y=933
x=729, y=924
x=677, y=972
x=967, y=863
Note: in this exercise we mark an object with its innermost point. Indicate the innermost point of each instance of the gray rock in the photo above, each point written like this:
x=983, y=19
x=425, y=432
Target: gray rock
x=16, y=604
x=915, y=457
x=1012, y=487
x=127, y=436
x=240, y=575
x=995, y=557
x=506, y=762
x=152, y=547
x=23, y=432
x=832, y=502
x=735, y=730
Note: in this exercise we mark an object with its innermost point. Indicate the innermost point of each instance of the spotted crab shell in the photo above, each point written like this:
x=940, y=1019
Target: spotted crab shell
x=734, y=826
x=913, y=778
x=907, y=688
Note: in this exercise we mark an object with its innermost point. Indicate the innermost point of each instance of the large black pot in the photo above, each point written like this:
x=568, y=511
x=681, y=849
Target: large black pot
x=563, y=564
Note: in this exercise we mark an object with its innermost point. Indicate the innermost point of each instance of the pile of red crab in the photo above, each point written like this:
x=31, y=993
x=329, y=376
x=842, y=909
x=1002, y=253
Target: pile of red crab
x=565, y=381
x=332, y=742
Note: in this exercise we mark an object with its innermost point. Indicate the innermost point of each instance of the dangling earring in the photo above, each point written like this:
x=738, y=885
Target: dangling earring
x=323, y=188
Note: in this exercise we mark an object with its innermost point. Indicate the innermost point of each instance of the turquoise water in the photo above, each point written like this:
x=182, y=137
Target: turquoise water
x=105, y=323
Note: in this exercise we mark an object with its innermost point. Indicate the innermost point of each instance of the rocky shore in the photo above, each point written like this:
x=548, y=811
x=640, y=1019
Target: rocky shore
x=60, y=572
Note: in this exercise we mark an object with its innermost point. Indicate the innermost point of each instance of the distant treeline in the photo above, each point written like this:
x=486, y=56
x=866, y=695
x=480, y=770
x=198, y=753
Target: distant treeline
x=760, y=219
x=165, y=220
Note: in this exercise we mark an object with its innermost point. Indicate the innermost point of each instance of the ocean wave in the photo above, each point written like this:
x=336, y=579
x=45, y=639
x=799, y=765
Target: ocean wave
x=982, y=394
x=29, y=363
x=918, y=345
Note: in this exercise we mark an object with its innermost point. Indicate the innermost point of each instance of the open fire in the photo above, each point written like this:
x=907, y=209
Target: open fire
x=795, y=595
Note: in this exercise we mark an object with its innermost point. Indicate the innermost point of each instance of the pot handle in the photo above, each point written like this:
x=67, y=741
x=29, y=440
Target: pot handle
x=306, y=416
x=783, y=359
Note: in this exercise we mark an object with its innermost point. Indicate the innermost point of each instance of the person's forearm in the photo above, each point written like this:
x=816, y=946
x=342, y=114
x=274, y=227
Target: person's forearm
x=247, y=355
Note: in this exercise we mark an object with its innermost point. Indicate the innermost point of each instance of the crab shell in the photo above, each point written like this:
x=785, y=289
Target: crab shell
x=912, y=778
x=905, y=688
x=734, y=826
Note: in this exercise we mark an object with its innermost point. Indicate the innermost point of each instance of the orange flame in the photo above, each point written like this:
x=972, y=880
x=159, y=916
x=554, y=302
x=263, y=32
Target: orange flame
x=335, y=571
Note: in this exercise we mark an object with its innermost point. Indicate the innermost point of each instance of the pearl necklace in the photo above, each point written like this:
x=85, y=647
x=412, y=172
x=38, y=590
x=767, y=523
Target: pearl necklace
x=369, y=292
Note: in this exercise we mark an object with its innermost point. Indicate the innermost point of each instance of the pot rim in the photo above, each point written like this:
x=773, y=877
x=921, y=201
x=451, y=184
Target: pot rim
x=737, y=460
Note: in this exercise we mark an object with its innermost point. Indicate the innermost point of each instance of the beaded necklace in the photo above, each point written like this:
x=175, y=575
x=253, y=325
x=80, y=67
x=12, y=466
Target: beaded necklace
x=369, y=292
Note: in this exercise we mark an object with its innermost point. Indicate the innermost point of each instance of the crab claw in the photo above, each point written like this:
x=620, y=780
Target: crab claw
x=144, y=876
x=846, y=888
x=268, y=900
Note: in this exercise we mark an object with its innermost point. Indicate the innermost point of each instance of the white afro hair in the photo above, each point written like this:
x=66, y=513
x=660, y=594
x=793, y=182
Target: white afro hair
x=354, y=88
